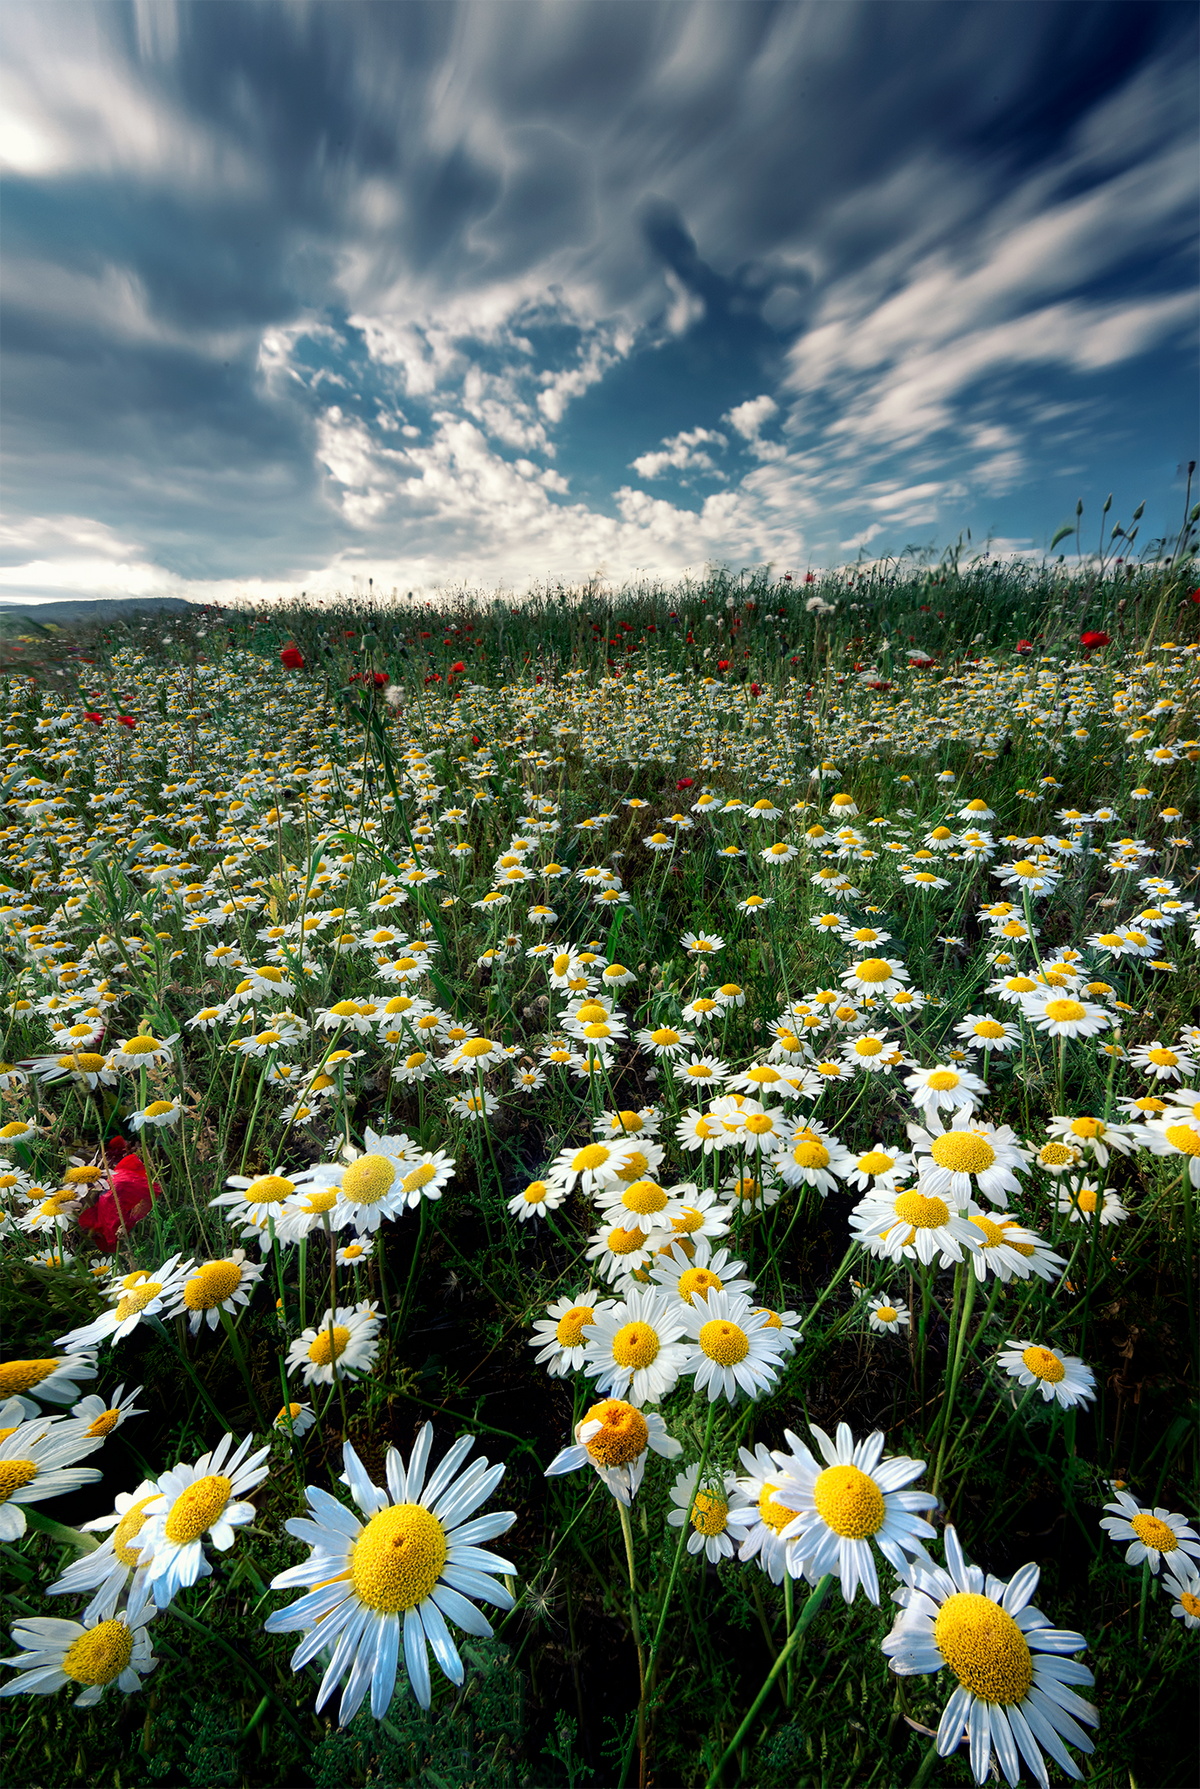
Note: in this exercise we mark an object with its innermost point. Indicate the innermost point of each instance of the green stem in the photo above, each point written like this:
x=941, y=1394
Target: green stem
x=808, y=1614
x=964, y=1322
x=635, y=1624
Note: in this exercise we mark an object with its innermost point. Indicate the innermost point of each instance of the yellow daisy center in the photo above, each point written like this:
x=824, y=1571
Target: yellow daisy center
x=1057, y=1155
x=128, y=1528
x=873, y=969
x=1064, y=1011
x=723, y=1341
x=688, y=1220
x=622, y=1436
x=644, y=1197
x=1153, y=1533
x=984, y=1648
x=1162, y=1058
x=477, y=1046
x=87, y=1062
x=82, y=1176
x=624, y=1242
x=140, y=1046
x=1190, y=1604
x=875, y=1162
x=868, y=1046
x=710, y=1513
x=760, y=1124
x=993, y=1234
x=635, y=1345
x=810, y=1154
x=1183, y=1138
x=23, y=1375
x=635, y=1168
x=327, y=1346
x=962, y=1152
x=14, y=1474
x=137, y=1300
x=1090, y=1128
x=104, y=1424
x=268, y=1189
x=197, y=1508
x=418, y=1177
x=1085, y=1199
x=849, y=1502
x=535, y=1192
x=922, y=1211
x=572, y=1324
x=211, y=1285
x=324, y=1199
x=99, y=1655
x=695, y=1280
x=592, y=1155
x=398, y=1558
x=368, y=1179
x=1044, y=1364
x=775, y=1515
x=886, y=1313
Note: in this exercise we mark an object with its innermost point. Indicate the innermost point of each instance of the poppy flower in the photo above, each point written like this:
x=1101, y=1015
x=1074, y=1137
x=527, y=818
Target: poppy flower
x=810, y=577
x=723, y=664
x=1024, y=646
x=1093, y=640
x=1194, y=596
x=97, y=720
x=756, y=689
x=685, y=782
x=128, y=1198
x=292, y=657
x=126, y=720
x=457, y=666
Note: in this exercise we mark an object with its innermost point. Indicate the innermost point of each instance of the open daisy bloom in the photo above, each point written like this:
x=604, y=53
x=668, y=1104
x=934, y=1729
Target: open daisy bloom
x=615, y=1438
x=735, y=1347
x=93, y=1654
x=1060, y=1376
x=38, y=1460
x=857, y=1497
x=398, y=1576
x=193, y=1501
x=107, y=1570
x=634, y=1348
x=971, y=1155
x=1153, y=1534
x=1014, y=1670
x=53, y=1380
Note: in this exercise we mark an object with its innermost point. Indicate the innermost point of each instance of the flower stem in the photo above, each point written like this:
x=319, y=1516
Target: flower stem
x=635, y=1624
x=808, y=1614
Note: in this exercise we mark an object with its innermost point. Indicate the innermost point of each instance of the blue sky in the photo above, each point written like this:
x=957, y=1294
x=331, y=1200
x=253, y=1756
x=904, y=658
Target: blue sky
x=487, y=292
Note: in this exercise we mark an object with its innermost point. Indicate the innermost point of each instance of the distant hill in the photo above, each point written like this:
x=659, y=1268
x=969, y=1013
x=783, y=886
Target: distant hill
x=101, y=608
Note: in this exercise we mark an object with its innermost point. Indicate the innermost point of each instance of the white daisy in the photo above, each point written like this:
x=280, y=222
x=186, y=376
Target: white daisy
x=878, y=1168
x=100, y=1416
x=972, y=1155
x=687, y=1269
x=54, y=1380
x=644, y=1206
x=857, y=1497
x=38, y=1460
x=94, y=1653
x=812, y=1157
x=887, y=1315
x=394, y=1580
x=108, y=1569
x=1173, y=1136
x=342, y=1346
x=1010, y=1251
x=1153, y=1534
x=561, y=1336
x=259, y=1203
x=756, y=1517
x=913, y=1224
x=537, y=1198
x=701, y=1213
x=944, y=1089
x=1014, y=1670
x=1061, y=1015
x=192, y=1501
x=633, y=1349
x=619, y=1250
x=1181, y=1581
x=1082, y=1199
x=1062, y=1377
x=734, y=1349
x=1162, y=1063
x=149, y=1295
x=594, y=1168
x=615, y=1438
x=704, y=1505
x=213, y=1287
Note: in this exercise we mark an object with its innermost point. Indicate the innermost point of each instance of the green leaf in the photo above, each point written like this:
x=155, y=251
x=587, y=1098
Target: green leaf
x=1067, y=528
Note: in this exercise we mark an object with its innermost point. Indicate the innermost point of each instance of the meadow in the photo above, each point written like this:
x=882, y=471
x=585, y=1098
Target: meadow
x=601, y=1188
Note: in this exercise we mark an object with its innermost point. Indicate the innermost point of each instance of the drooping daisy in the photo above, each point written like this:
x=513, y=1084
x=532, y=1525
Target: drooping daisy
x=634, y=1348
x=945, y=1088
x=53, y=1380
x=704, y=1506
x=857, y=1497
x=294, y=1419
x=734, y=1347
x=149, y=1295
x=971, y=1155
x=1062, y=1377
x=1095, y=1136
x=1180, y=1581
x=213, y=1287
x=615, y=1438
x=192, y=1501
x=94, y=1653
x=1153, y=1534
x=38, y=1460
x=1014, y=1670
x=1010, y=1251
x=887, y=1315
x=101, y=1416
x=391, y=1582
x=561, y=1336
x=1082, y=1200
x=344, y=1345
x=907, y=1223
x=108, y=1569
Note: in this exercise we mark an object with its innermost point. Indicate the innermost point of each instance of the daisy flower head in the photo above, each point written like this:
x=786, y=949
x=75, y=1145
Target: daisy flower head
x=137, y=1295
x=704, y=1506
x=945, y=1088
x=108, y=1569
x=1153, y=1534
x=192, y=1501
x=750, y=1193
x=912, y=1224
x=890, y=1316
x=615, y=1438
x=812, y=1158
x=561, y=1335
x=1082, y=1201
x=38, y=1459
x=93, y=1653
x=373, y=1588
x=475, y=1108
x=1014, y=1670
x=213, y=1287
x=642, y=1123
x=258, y=1203
x=687, y=1270
x=1145, y=1107
x=701, y=1214
x=701, y=944
x=876, y=975
x=294, y=1419
x=1010, y=1251
x=971, y=1156
x=594, y=1168
x=1031, y=876
x=856, y=1497
x=17, y=1130
x=1176, y=1136
x=982, y=1032
x=1061, y=1015
x=100, y=1416
x=734, y=1348
x=536, y=1200
x=643, y=1205
x=54, y=1380
x=620, y=1250
x=756, y=1517
x=344, y=1345
x=1094, y=1136
x=1162, y=1063
x=701, y=1071
x=878, y=1168
x=1062, y=1377
x=633, y=1349
x=1180, y=1581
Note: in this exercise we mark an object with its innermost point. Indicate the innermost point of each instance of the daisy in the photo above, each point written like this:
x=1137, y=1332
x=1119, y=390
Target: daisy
x=642, y=1123
x=1013, y=1669
x=756, y=1517
x=1060, y=1015
x=1062, y=1377
x=985, y=1033
x=53, y=1380
x=344, y=1345
x=17, y=1130
x=751, y=1194
x=698, y=944
x=137, y=1296
x=876, y=975
x=734, y=1349
x=644, y=1206
x=593, y=1168
x=38, y=1459
x=1146, y=1106
x=972, y=1155
x=144, y=1051
x=908, y=1224
x=878, y=1167
x=615, y=1438
x=1180, y=1580
x=1082, y=1199
x=538, y=1198
x=100, y=1418
x=1012, y=1252
x=92, y=1653
x=687, y=1270
x=294, y=1420
x=705, y=1071
x=392, y=1581
x=620, y=1251
x=560, y=1336
x=701, y=1213
x=633, y=1348
x=944, y=1089
x=192, y=1501
x=856, y=1497
x=474, y=1107
x=1153, y=1534
x=1173, y=1136
x=388, y=1178
x=213, y=1287
x=108, y=1569
x=891, y=1317
x=1094, y=1135
x=705, y=1507
x=258, y=1203
x=812, y=1158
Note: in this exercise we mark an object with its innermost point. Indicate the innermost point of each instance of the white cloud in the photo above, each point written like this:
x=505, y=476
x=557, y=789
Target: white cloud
x=680, y=453
x=748, y=418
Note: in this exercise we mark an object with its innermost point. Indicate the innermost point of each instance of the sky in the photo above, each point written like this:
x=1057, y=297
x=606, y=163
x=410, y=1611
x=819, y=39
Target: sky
x=487, y=294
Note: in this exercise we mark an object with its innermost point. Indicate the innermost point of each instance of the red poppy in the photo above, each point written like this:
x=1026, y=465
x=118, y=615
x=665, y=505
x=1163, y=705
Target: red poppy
x=1094, y=640
x=97, y=720
x=126, y=720
x=292, y=657
x=809, y=578
x=434, y=677
x=1194, y=596
x=756, y=689
x=686, y=782
x=129, y=1198
x=457, y=666
x=1024, y=646
x=787, y=577
x=691, y=640
x=723, y=664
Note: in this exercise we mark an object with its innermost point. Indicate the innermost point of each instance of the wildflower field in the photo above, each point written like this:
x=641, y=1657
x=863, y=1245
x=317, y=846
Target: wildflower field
x=602, y=1189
